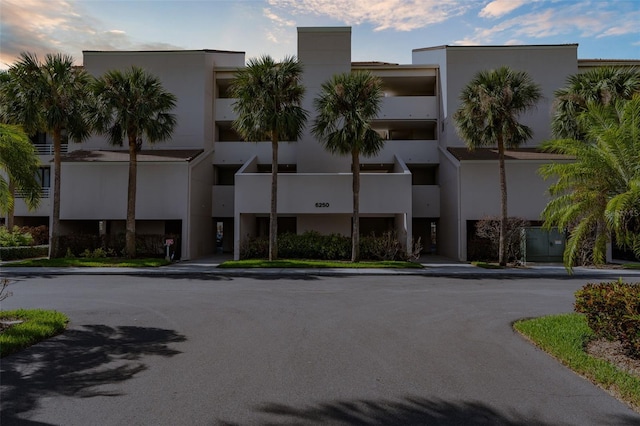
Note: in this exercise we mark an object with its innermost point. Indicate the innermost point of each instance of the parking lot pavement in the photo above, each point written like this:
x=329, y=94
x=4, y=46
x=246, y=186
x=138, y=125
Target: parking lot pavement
x=299, y=349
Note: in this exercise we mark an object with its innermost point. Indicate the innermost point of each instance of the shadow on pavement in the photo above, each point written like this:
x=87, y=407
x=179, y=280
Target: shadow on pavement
x=410, y=411
x=76, y=363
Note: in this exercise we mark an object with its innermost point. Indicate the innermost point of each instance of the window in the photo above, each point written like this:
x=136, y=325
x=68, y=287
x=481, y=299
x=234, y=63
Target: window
x=44, y=177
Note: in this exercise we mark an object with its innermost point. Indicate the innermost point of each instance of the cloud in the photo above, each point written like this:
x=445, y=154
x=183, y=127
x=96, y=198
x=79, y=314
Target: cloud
x=587, y=19
x=52, y=26
x=498, y=8
x=399, y=15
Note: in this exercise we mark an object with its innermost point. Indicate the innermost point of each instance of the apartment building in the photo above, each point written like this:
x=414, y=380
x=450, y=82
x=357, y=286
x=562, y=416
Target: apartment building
x=208, y=185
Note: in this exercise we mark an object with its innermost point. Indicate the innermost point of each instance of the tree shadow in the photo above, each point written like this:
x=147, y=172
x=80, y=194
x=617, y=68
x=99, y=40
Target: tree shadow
x=408, y=411
x=77, y=363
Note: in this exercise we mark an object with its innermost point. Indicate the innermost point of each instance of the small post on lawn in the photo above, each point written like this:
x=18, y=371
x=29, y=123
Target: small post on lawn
x=168, y=243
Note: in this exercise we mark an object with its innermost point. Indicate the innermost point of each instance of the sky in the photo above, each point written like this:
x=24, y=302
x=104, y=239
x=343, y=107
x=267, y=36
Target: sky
x=382, y=30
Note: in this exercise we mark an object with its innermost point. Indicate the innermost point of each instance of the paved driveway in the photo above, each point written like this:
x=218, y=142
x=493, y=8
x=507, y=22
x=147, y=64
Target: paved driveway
x=355, y=350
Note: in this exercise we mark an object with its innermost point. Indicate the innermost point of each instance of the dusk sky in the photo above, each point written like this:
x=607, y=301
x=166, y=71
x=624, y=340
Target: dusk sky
x=382, y=30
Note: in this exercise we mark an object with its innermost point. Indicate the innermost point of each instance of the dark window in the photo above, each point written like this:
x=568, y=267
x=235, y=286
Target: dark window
x=225, y=175
x=44, y=177
x=423, y=174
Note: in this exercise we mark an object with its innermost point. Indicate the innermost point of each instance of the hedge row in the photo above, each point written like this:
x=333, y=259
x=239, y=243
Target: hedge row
x=312, y=245
x=26, y=252
x=613, y=312
x=146, y=245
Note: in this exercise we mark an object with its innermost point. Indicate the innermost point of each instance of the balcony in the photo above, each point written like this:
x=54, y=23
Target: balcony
x=224, y=109
x=47, y=149
x=321, y=193
x=409, y=107
x=44, y=193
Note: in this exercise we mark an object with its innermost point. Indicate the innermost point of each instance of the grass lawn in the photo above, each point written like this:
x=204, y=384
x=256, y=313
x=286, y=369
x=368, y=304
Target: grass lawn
x=301, y=263
x=487, y=265
x=564, y=337
x=37, y=325
x=91, y=262
x=631, y=266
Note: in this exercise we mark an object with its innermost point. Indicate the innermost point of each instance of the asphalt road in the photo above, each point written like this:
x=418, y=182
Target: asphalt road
x=353, y=350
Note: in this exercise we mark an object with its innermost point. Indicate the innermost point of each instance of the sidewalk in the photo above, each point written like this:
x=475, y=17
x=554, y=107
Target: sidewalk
x=435, y=266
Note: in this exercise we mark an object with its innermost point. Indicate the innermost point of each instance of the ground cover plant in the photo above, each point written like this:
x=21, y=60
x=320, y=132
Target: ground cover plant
x=305, y=263
x=36, y=325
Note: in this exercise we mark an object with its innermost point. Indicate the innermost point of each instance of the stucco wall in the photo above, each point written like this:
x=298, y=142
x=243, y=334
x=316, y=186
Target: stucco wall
x=527, y=192
x=200, y=226
x=323, y=52
x=99, y=191
x=186, y=74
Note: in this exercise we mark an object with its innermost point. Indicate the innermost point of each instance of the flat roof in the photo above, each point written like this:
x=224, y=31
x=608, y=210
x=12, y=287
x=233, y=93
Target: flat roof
x=505, y=46
x=145, y=156
x=489, y=154
x=164, y=51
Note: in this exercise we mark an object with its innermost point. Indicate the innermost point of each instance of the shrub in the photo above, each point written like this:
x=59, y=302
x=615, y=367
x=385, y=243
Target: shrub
x=25, y=252
x=612, y=311
x=313, y=245
x=93, y=245
x=40, y=234
x=14, y=237
x=489, y=228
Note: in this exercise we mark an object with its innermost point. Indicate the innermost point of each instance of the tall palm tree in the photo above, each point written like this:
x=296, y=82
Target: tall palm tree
x=598, y=193
x=53, y=97
x=268, y=96
x=488, y=116
x=19, y=162
x=604, y=85
x=346, y=106
x=132, y=105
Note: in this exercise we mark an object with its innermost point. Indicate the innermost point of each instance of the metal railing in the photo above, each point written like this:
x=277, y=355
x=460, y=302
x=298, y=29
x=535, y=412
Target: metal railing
x=44, y=193
x=47, y=149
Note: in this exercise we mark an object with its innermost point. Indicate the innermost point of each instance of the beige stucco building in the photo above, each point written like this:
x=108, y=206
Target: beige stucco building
x=206, y=181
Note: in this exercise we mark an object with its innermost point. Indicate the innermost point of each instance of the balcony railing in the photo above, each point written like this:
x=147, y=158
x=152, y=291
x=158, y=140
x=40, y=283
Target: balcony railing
x=44, y=193
x=47, y=149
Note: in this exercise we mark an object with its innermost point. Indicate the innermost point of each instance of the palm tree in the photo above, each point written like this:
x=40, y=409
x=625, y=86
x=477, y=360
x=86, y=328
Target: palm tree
x=346, y=106
x=268, y=96
x=19, y=161
x=598, y=194
x=132, y=105
x=53, y=97
x=604, y=85
x=488, y=116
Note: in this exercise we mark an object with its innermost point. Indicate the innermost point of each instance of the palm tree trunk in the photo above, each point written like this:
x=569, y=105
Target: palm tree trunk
x=54, y=244
x=130, y=238
x=502, y=258
x=273, y=215
x=355, y=233
x=11, y=211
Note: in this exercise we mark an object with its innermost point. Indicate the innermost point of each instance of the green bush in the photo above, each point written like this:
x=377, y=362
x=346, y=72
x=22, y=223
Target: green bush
x=93, y=245
x=16, y=253
x=14, y=237
x=40, y=234
x=313, y=245
x=612, y=311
